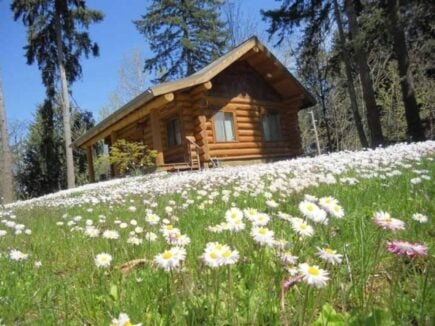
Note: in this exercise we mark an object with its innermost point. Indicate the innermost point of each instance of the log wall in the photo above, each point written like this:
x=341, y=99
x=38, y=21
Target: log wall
x=250, y=142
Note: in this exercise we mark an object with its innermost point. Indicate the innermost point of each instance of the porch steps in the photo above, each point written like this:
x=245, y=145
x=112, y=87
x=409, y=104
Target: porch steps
x=183, y=166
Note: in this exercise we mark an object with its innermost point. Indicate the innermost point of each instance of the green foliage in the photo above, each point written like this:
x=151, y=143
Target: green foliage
x=42, y=168
x=328, y=316
x=67, y=290
x=184, y=35
x=40, y=19
x=102, y=165
x=131, y=157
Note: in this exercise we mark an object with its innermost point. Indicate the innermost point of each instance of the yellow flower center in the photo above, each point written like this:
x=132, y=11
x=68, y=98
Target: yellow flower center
x=313, y=271
x=310, y=207
x=329, y=251
x=388, y=219
x=167, y=255
x=127, y=324
x=262, y=231
x=227, y=254
x=213, y=255
x=303, y=226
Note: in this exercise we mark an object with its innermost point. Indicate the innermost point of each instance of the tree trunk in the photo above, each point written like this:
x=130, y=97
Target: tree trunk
x=6, y=175
x=350, y=84
x=373, y=115
x=65, y=107
x=415, y=127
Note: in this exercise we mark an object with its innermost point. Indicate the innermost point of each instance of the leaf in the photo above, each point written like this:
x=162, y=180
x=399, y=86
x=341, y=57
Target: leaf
x=376, y=317
x=328, y=316
x=114, y=292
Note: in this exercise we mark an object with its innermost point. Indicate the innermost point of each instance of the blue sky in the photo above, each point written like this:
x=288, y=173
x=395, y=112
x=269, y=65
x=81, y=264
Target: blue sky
x=116, y=36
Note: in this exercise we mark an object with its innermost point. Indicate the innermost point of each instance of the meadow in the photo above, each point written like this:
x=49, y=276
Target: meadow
x=340, y=239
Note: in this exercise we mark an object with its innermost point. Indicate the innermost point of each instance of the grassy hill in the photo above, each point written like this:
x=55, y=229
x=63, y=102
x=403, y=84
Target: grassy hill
x=340, y=239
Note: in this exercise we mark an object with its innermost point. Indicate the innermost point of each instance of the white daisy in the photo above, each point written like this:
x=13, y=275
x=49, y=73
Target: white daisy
x=134, y=241
x=150, y=236
x=313, y=275
x=17, y=255
x=111, y=234
x=233, y=214
x=170, y=259
x=250, y=213
x=103, y=260
x=152, y=218
x=91, y=232
x=263, y=235
x=123, y=320
x=329, y=255
x=261, y=219
x=420, y=218
x=301, y=227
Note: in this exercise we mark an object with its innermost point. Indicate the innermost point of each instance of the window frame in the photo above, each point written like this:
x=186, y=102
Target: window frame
x=280, y=134
x=167, y=124
x=234, y=124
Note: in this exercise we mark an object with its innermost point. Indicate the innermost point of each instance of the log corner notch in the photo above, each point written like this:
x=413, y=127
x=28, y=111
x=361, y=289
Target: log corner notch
x=198, y=94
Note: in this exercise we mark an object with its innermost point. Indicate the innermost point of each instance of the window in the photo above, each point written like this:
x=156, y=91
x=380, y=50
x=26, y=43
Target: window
x=224, y=126
x=174, y=133
x=271, y=126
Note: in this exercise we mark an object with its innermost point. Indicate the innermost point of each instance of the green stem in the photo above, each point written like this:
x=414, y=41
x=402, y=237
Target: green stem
x=304, y=306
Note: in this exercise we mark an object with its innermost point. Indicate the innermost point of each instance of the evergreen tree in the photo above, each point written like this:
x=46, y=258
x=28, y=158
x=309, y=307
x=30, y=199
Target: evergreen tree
x=56, y=39
x=184, y=35
x=43, y=168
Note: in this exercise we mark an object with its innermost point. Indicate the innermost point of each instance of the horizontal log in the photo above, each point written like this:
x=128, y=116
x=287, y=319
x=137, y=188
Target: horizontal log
x=248, y=126
x=248, y=151
x=248, y=118
x=231, y=145
x=246, y=102
x=250, y=133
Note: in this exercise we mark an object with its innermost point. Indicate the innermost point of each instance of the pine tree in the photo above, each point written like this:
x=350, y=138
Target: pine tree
x=56, y=39
x=43, y=168
x=184, y=35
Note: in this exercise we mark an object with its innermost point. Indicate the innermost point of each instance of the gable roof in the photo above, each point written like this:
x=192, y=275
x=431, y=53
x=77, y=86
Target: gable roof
x=251, y=49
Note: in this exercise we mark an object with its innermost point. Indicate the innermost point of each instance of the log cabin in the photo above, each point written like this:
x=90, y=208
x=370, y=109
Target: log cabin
x=243, y=107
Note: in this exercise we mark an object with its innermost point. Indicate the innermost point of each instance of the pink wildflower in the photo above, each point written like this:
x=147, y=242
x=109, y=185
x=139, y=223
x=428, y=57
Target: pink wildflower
x=405, y=248
x=385, y=221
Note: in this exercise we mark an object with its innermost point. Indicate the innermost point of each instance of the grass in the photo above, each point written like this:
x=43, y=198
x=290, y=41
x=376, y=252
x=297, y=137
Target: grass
x=371, y=285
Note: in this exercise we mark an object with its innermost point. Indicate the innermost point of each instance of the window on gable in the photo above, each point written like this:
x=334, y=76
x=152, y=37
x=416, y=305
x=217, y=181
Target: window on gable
x=271, y=126
x=173, y=132
x=224, y=126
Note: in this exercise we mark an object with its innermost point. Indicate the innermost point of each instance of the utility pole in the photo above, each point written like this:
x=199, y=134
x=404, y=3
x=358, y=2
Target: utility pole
x=315, y=132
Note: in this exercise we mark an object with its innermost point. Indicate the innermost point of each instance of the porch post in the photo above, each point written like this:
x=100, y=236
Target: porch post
x=157, y=137
x=113, y=170
x=91, y=171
